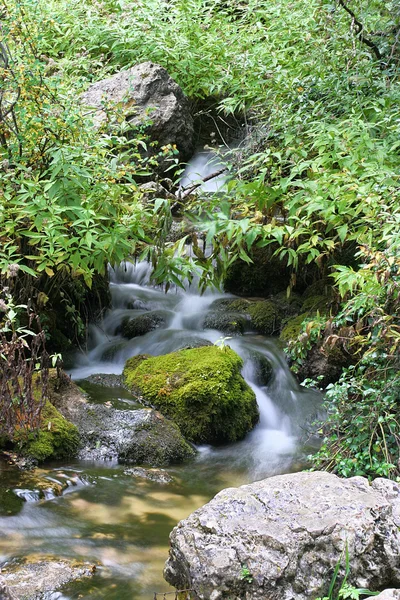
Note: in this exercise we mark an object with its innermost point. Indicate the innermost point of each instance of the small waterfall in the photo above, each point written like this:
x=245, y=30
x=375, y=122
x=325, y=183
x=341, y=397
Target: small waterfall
x=284, y=406
x=203, y=164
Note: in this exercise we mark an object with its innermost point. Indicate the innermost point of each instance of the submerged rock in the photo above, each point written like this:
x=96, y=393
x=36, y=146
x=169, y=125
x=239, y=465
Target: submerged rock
x=201, y=389
x=156, y=475
x=281, y=538
x=39, y=578
x=150, y=98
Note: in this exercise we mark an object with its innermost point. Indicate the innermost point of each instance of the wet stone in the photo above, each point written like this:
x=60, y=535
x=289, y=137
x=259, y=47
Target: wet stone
x=156, y=475
x=38, y=578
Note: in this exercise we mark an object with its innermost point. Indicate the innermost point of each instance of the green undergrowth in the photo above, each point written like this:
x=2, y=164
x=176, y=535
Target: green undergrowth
x=200, y=389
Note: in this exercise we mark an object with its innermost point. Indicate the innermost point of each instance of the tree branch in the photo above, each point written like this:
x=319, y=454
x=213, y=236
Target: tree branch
x=360, y=31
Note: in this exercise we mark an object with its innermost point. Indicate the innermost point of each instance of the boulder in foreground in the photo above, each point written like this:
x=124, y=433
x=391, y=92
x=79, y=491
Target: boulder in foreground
x=281, y=538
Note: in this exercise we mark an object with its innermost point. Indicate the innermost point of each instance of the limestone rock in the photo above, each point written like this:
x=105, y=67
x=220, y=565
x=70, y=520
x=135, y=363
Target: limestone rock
x=280, y=539
x=38, y=578
x=147, y=96
x=391, y=594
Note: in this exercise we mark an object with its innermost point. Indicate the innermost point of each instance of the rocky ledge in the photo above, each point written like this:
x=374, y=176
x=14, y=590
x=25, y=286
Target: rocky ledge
x=281, y=538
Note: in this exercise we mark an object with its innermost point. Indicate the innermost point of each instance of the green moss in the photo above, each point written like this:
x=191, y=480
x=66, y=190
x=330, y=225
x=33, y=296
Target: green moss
x=265, y=317
x=201, y=389
x=57, y=437
x=135, y=361
x=292, y=329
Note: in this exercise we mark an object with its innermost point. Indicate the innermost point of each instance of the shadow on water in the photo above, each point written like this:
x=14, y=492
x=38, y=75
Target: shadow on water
x=121, y=521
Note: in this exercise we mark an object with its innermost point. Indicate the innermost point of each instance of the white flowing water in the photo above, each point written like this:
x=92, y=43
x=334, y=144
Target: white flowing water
x=284, y=406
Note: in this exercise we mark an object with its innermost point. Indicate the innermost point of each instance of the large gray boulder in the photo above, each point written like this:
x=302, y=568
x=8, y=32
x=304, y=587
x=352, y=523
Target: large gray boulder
x=391, y=594
x=280, y=539
x=148, y=97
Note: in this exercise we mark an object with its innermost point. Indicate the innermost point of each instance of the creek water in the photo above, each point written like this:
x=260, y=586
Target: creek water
x=121, y=521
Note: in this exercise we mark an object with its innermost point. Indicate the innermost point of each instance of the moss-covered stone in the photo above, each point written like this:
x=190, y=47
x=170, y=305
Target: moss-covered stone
x=227, y=322
x=200, y=389
x=292, y=329
x=56, y=438
x=142, y=324
x=265, y=317
x=287, y=305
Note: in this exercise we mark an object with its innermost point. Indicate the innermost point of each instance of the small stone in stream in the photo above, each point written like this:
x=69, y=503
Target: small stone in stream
x=106, y=380
x=156, y=475
x=39, y=577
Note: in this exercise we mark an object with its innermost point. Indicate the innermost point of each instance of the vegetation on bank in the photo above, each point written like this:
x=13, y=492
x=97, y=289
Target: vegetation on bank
x=317, y=181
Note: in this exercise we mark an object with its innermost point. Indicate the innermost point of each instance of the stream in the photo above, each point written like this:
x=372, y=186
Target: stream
x=123, y=522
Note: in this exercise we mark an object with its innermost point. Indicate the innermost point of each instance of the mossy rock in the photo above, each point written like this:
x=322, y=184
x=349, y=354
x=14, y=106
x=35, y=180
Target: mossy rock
x=226, y=322
x=292, y=329
x=265, y=317
x=287, y=305
x=231, y=304
x=135, y=326
x=200, y=389
x=57, y=438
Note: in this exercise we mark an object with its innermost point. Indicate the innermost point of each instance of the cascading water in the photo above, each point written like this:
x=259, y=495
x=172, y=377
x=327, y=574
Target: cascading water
x=121, y=521
x=284, y=406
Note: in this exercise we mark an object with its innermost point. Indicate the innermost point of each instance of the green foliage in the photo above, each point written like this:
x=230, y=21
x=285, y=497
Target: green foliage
x=200, y=389
x=301, y=334
x=342, y=590
x=362, y=431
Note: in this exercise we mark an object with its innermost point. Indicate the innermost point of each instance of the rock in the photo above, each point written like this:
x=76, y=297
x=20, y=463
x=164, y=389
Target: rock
x=148, y=96
x=156, y=475
x=140, y=436
x=226, y=322
x=263, y=369
x=200, y=389
x=265, y=317
x=292, y=328
x=288, y=532
x=389, y=595
x=57, y=438
x=105, y=380
x=38, y=578
x=134, y=326
x=5, y=592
